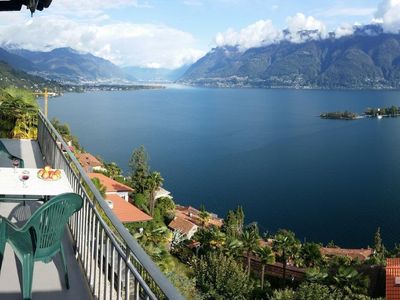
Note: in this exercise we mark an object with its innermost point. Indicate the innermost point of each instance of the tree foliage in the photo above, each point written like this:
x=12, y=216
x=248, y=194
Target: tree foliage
x=233, y=223
x=113, y=170
x=311, y=255
x=204, y=216
x=139, y=169
x=65, y=131
x=18, y=114
x=221, y=277
x=166, y=208
x=351, y=281
x=250, y=239
x=287, y=247
x=153, y=182
x=101, y=188
x=266, y=256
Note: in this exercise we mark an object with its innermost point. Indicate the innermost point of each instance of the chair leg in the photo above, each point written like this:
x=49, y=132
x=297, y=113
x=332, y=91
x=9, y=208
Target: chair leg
x=65, y=266
x=2, y=241
x=27, y=276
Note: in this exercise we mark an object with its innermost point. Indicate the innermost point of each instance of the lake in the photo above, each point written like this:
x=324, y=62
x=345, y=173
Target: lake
x=266, y=150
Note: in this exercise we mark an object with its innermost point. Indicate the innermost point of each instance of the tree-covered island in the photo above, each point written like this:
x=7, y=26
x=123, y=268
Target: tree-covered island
x=346, y=115
x=392, y=111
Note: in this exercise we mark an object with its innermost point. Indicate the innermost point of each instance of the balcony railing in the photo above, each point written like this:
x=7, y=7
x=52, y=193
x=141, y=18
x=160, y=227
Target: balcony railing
x=115, y=265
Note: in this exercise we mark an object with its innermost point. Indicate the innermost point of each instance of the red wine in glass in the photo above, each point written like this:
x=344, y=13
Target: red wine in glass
x=24, y=177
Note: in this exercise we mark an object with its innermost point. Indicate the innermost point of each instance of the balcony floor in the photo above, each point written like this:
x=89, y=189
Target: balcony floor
x=48, y=279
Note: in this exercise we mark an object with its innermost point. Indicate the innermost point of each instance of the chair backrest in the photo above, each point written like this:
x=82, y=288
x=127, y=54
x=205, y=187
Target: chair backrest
x=6, y=157
x=47, y=224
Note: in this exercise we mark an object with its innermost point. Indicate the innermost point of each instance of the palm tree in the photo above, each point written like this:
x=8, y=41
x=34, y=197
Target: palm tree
x=315, y=275
x=250, y=239
x=349, y=280
x=154, y=181
x=266, y=256
x=311, y=254
x=233, y=247
x=287, y=247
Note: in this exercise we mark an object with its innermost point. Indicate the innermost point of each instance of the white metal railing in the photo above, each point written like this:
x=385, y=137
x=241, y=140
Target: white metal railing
x=115, y=265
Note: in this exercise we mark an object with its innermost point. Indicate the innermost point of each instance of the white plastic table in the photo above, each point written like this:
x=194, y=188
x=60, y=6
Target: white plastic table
x=10, y=184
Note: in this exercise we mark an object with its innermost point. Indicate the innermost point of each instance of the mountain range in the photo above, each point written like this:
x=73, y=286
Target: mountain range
x=63, y=65
x=369, y=58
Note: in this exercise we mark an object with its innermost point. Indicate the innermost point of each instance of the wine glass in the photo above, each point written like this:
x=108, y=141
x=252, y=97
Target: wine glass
x=24, y=176
x=15, y=163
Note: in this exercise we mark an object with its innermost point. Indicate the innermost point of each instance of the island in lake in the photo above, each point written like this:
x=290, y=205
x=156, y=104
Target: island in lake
x=379, y=113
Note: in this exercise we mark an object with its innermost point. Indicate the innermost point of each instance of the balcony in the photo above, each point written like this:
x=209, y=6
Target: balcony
x=104, y=261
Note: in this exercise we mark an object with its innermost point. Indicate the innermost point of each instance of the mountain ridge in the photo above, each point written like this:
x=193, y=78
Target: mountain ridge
x=367, y=59
x=65, y=65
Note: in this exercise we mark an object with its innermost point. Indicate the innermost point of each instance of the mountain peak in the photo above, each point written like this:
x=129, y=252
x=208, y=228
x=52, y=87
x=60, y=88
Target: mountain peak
x=65, y=50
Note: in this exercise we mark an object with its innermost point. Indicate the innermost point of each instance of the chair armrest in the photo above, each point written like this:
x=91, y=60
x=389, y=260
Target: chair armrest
x=8, y=223
x=10, y=226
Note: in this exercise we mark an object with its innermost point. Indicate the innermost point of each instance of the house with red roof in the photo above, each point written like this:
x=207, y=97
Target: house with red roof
x=125, y=211
x=187, y=228
x=191, y=214
x=360, y=254
x=113, y=187
x=89, y=162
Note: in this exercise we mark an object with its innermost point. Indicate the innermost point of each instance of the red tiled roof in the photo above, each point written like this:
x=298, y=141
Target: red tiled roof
x=191, y=214
x=361, y=254
x=127, y=212
x=87, y=161
x=110, y=184
x=392, y=271
x=182, y=225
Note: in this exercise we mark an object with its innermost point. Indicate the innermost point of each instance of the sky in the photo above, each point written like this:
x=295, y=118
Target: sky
x=171, y=33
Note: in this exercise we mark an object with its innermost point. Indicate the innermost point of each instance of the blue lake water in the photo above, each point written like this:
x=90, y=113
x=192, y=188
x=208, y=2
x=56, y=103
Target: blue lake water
x=263, y=149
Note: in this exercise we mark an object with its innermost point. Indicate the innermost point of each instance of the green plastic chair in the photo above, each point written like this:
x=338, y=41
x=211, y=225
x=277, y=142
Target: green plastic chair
x=5, y=154
x=39, y=239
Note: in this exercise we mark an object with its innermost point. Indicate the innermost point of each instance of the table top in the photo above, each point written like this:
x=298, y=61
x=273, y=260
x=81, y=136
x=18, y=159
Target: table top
x=10, y=183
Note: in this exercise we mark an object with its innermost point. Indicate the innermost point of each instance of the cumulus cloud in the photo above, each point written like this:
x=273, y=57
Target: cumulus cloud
x=260, y=33
x=299, y=23
x=388, y=14
x=123, y=43
x=343, y=30
x=263, y=32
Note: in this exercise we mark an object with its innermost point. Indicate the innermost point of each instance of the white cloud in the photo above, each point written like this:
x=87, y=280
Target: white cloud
x=263, y=32
x=258, y=34
x=343, y=30
x=123, y=43
x=388, y=13
x=299, y=23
